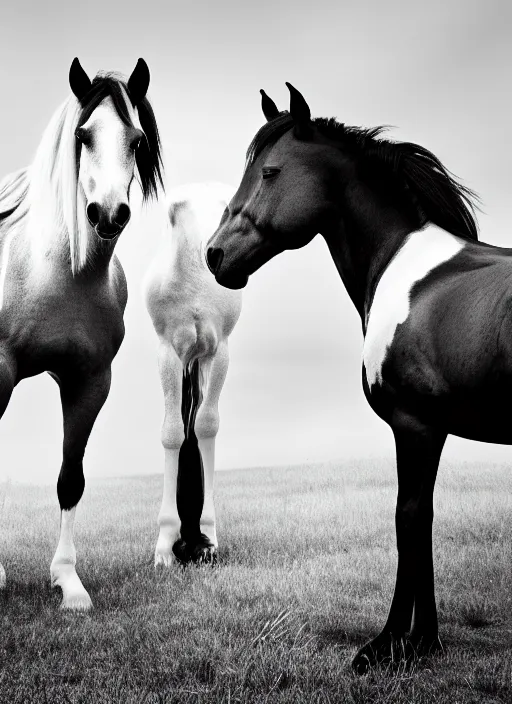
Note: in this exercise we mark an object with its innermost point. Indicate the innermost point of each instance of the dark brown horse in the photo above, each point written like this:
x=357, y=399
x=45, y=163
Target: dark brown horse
x=435, y=307
x=62, y=290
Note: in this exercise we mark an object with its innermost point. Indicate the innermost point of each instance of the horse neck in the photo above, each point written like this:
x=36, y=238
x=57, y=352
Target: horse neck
x=99, y=256
x=44, y=231
x=363, y=242
x=56, y=256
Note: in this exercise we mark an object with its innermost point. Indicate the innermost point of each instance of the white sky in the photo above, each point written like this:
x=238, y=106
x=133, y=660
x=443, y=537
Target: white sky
x=441, y=72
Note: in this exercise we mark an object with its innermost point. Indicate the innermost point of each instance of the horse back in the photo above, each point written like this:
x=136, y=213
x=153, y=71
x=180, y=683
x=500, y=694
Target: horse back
x=460, y=314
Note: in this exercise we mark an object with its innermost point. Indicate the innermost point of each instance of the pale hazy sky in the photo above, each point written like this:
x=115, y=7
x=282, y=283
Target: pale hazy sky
x=440, y=72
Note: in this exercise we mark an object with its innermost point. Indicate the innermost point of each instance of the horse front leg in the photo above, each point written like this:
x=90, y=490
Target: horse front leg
x=418, y=451
x=81, y=403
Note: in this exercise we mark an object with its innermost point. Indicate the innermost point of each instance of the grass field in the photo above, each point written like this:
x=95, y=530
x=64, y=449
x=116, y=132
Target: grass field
x=306, y=572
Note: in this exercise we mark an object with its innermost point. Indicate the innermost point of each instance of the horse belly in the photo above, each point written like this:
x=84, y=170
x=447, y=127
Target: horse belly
x=482, y=414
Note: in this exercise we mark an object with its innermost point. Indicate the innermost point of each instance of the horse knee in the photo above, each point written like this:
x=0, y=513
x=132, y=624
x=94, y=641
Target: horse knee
x=70, y=485
x=412, y=517
x=173, y=433
x=207, y=423
x=407, y=512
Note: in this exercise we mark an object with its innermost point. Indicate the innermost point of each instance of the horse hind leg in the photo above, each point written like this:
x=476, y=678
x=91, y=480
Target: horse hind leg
x=194, y=545
x=187, y=516
x=173, y=435
x=214, y=373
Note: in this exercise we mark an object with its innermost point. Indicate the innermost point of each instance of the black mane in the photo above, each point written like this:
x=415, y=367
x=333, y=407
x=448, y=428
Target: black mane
x=148, y=156
x=411, y=171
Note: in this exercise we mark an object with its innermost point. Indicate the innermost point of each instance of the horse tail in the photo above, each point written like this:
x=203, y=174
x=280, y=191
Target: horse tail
x=190, y=485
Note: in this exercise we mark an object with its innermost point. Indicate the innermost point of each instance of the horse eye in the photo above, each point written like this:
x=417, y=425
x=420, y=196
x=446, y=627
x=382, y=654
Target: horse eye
x=269, y=171
x=136, y=140
x=83, y=136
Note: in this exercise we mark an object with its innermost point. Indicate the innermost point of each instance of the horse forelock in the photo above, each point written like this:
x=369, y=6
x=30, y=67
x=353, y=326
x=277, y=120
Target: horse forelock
x=106, y=85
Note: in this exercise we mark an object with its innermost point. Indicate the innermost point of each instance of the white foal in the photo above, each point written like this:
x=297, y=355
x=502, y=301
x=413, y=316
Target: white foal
x=193, y=317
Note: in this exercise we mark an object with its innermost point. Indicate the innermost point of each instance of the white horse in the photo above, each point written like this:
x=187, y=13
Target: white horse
x=193, y=317
x=62, y=289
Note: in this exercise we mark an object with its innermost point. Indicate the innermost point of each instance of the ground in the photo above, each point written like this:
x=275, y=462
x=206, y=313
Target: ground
x=306, y=571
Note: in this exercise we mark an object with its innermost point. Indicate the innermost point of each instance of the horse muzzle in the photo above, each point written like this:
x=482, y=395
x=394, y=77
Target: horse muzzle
x=108, y=224
x=214, y=259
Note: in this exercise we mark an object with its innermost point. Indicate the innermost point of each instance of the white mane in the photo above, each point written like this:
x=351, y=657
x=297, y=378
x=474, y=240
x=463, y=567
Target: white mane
x=52, y=194
x=45, y=193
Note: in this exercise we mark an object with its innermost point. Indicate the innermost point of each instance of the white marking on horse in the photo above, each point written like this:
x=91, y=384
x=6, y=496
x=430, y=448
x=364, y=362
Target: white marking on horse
x=421, y=253
x=62, y=570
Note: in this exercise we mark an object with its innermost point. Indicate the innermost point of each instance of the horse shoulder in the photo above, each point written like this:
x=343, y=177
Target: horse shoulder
x=422, y=253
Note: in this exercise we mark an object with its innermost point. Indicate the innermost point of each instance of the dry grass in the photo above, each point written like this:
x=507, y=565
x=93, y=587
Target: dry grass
x=305, y=576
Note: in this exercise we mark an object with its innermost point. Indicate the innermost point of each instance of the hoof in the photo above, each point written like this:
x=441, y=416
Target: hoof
x=202, y=552
x=390, y=651
x=163, y=560
x=385, y=650
x=74, y=594
x=76, y=602
x=422, y=646
x=205, y=555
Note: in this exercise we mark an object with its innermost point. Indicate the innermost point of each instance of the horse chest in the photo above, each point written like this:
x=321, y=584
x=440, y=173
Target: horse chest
x=69, y=335
x=421, y=253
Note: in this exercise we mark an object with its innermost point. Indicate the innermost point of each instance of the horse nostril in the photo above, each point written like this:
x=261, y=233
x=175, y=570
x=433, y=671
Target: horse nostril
x=214, y=257
x=123, y=215
x=93, y=213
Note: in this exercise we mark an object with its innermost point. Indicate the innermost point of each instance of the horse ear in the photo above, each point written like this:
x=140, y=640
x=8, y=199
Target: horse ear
x=301, y=114
x=138, y=83
x=270, y=109
x=78, y=79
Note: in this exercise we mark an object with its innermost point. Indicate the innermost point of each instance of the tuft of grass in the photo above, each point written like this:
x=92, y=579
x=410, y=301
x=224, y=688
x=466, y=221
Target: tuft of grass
x=479, y=613
x=305, y=577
